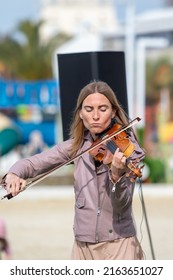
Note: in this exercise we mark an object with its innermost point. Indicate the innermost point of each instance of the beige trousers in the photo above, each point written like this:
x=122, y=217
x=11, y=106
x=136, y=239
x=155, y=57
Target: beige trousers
x=120, y=249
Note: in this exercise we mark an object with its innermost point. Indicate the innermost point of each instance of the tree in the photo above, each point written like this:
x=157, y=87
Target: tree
x=29, y=59
x=159, y=75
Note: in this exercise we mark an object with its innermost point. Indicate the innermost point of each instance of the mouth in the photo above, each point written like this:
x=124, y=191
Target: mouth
x=96, y=125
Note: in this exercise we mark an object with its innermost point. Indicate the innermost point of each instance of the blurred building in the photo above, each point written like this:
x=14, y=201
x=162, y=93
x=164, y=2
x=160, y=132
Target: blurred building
x=150, y=23
x=107, y=18
x=72, y=16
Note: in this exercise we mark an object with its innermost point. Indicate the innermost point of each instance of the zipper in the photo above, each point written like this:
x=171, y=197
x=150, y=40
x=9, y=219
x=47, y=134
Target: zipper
x=98, y=209
x=98, y=214
x=114, y=187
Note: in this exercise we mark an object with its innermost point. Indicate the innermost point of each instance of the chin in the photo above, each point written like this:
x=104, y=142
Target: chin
x=96, y=130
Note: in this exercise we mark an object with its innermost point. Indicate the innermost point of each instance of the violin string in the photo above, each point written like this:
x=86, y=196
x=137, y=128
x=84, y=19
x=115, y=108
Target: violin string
x=111, y=146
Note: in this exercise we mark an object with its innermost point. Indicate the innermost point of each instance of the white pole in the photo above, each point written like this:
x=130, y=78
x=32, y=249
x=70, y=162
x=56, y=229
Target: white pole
x=129, y=54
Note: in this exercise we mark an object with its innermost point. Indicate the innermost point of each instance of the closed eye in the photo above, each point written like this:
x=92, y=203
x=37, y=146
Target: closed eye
x=103, y=108
x=88, y=108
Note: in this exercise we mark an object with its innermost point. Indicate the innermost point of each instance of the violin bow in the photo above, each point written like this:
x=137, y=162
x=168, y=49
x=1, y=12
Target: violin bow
x=45, y=175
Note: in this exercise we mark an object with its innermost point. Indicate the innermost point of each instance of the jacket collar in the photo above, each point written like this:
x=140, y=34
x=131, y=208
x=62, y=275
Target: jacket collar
x=88, y=159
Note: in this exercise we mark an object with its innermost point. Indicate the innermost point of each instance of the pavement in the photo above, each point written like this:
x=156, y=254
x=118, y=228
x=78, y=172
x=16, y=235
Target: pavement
x=40, y=220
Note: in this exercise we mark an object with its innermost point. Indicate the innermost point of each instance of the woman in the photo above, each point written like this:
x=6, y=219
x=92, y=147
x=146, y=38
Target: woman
x=103, y=223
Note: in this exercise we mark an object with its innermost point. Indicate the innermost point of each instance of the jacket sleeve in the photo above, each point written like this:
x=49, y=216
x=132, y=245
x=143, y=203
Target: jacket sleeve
x=42, y=162
x=122, y=190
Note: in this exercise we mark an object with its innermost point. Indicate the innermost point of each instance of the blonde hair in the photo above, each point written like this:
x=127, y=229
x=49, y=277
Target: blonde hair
x=77, y=128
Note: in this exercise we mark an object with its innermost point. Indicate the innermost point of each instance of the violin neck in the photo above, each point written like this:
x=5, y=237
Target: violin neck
x=111, y=146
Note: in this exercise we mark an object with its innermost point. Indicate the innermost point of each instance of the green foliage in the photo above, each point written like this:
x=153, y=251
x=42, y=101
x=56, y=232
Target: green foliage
x=30, y=59
x=157, y=173
x=159, y=75
x=140, y=135
x=157, y=170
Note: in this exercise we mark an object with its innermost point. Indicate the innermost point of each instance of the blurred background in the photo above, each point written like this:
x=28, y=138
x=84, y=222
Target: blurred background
x=32, y=32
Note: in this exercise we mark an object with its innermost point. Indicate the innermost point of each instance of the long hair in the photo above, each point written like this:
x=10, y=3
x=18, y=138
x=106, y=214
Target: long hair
x=77, y=128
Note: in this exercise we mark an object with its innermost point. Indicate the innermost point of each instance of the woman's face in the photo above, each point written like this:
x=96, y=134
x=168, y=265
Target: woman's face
x=96, y=113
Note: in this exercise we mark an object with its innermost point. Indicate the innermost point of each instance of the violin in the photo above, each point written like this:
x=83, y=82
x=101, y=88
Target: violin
x=121, y=141
x=127, y=149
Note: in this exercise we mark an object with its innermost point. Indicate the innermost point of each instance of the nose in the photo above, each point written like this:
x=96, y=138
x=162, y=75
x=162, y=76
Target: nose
x=96, y=115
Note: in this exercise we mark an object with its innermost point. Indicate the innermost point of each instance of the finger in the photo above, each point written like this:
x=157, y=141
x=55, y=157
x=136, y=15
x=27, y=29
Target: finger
x=8, y=187
x=22, y=184
x=116, y=151
x=12, y=183
x=15, y=188
x=123, y=159
x=108, y=157
x=117, y=158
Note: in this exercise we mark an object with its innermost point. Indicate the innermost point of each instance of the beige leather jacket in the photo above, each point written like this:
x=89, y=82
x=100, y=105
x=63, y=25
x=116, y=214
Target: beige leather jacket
x=100, y=213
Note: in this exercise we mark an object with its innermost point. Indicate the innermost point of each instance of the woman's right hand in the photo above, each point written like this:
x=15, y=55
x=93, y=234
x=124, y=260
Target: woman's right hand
x=14, y=184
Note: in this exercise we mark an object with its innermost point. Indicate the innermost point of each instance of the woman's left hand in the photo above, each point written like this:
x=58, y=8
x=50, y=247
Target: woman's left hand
x=118, y=166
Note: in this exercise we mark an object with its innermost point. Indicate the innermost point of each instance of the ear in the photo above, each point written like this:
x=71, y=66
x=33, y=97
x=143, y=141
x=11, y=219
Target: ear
x=80, y=115
x=113, y=114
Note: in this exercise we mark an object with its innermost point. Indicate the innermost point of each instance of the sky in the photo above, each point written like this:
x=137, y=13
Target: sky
x=141, y=6
x=14, y=11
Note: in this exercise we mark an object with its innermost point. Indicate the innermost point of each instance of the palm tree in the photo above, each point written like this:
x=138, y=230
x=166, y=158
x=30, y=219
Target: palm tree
x=31, y=58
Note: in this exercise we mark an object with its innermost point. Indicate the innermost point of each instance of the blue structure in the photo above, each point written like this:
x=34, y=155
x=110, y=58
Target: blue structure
x=32, y=106
x=41, y=93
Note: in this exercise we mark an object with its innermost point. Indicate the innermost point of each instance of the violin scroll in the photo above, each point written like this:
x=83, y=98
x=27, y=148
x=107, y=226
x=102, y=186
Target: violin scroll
x=134, y=171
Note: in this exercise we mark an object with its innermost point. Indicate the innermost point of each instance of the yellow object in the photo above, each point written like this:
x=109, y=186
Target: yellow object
x=166, y=132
